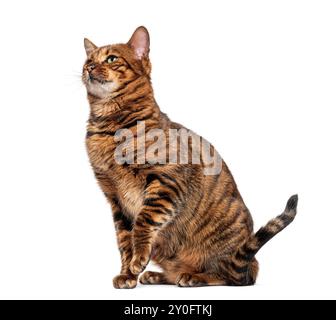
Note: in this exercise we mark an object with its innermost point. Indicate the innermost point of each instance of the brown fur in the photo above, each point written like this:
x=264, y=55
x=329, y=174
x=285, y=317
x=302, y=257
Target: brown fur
x=196, y=227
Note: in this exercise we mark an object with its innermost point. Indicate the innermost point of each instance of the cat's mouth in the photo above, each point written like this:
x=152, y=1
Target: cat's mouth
x=96, y=80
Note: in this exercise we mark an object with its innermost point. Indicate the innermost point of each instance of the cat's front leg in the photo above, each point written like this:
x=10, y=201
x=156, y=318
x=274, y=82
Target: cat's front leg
x=123, y=225
x=161, y=200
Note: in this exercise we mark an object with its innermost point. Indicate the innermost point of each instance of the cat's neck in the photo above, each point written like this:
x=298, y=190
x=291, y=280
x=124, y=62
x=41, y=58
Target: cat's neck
x=135, y=101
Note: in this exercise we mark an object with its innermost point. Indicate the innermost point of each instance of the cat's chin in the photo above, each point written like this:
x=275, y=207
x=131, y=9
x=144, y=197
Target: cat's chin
x=100, y=90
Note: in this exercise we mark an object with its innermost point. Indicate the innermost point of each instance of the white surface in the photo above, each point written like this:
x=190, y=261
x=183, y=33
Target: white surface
x=256, y=78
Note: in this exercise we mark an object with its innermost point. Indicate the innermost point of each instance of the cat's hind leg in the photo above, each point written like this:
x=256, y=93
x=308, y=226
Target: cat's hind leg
x=150, y=277
x=199, y=280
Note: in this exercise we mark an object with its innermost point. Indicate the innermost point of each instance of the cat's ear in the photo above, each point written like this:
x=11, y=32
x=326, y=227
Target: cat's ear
x=89, y=46
x=140, y=42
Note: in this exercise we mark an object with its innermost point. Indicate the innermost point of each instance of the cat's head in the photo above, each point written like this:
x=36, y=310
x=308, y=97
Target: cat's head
x=109, y=69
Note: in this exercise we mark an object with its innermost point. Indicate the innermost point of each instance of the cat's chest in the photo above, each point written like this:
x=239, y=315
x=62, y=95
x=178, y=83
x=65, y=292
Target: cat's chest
x=122, y=179
x=131, y=196
x=101, y=149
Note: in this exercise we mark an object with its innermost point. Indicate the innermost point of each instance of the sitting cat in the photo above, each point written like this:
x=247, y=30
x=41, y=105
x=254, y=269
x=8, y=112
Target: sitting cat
x=191, y=223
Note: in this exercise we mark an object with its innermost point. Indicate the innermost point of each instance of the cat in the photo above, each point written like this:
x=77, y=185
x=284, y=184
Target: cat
x=195, y=226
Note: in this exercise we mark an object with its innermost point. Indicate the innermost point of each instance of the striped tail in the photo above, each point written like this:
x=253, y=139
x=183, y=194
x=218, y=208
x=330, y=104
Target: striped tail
x=266, y=233
x=245, y=254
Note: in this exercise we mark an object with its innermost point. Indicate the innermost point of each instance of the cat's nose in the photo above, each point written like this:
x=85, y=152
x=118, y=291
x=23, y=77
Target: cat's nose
x=91, y=67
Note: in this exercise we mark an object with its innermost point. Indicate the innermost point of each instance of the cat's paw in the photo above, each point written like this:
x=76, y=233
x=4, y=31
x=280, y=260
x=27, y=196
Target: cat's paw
x=138, y=263
x=150, y=277
x=125, y=281
x=188, y=280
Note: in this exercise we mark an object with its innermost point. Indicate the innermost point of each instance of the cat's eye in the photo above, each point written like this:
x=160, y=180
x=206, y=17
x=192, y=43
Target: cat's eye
x=111, y=59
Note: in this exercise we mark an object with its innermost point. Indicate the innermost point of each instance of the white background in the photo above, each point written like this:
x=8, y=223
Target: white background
x=256, y=78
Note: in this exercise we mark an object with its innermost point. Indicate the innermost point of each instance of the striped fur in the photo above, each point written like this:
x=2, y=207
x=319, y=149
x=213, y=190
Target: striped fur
x=196, y=227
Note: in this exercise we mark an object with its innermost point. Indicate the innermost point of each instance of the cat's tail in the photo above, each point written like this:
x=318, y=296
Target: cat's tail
x=248, y=250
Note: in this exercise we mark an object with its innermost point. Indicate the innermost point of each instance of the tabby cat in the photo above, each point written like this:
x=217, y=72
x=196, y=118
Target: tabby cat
x=195, y=226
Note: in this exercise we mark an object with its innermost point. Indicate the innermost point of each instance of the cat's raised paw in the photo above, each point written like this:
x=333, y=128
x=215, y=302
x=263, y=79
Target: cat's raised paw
x=189, y=280
x=125, y=281
x=138, y=264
